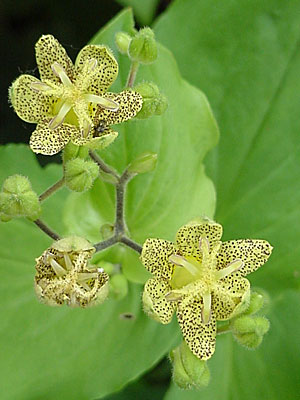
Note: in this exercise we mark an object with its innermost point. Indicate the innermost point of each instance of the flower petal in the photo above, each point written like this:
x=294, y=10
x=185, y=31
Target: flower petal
x=129, y=102
x=253, y=253
x=200, y=338
x=155, y=303
x=155, y=256
x=29, y=104
x=188, y=237
x=47, y=51
x=229, y=296
x=46, y=141
x=102, y=140
x=106, y=70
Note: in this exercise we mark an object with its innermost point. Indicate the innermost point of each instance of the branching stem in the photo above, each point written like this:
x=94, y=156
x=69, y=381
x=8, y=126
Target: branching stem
x=102, y=165
x=52, y=189
x=45, y=228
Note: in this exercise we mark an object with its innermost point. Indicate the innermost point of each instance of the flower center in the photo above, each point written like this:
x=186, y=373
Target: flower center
x=196, y=278
x=73, y=98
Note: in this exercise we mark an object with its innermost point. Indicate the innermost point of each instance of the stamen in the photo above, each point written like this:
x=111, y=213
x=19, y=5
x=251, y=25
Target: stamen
x=86, y=276
x=68, y=262
x=86, y=129
x=40, y=87
x=59, y=71
x=206, y=310
x=105, y=103
x=173, y=296
x=232, y=267
x=204, y=244
x=182, y=262
x=85, y=286
x=58, y=269
x=59, y=118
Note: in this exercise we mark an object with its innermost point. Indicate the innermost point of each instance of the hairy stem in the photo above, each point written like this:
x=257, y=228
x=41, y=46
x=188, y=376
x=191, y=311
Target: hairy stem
x=52, y=189
x=106, y=243
x=130, y=243
x=120, y=224
x=132, y=73
x=46, y=229
x=102, y=165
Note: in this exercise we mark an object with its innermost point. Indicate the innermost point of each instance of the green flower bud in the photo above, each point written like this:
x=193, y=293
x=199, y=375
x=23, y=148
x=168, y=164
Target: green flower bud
x=72, y=151
x=143, y=47
x=145, y=162
x=107, y=177
x=17, y=199
x=118, y=286
x=154, y=103
x=249, y=331
x=256, y=303
x=107, y=230
x=122, y=40
x=80, y=174
x=188, y=370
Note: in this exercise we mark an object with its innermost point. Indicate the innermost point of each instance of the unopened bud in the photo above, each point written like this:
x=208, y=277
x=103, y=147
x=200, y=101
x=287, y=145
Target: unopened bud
x=146, y=162
x=118, y=286
x=143, y=47
x=249, y=331
x=72, y=151
x=122, y=40
x=188, y=370
x=17, y=199
x=154, y=103
x=106, y=231
x=80, y=174
x=109, y=178
x=256, y=303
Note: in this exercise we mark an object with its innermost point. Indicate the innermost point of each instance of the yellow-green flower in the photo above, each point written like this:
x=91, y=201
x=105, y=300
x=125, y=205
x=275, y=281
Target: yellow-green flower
x=201, y=278
x=71, y=102
x=63, y=275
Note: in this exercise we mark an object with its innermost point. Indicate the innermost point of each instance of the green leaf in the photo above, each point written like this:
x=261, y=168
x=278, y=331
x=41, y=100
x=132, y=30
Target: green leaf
x=245, y=56
x=266, y=373
x=157, y=203
x=144, y=11
x=49, y=353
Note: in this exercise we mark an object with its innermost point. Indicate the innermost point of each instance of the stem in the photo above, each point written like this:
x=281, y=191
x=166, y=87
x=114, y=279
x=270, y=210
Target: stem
x=106, y=243
x=130, y=243
x=132, y=73
x=46, y=229
x=223, y=329
x=102, y=165
x=120, y=224
x=52, y=189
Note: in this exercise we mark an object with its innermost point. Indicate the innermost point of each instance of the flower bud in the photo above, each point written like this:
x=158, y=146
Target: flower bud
x=109, y=178
x=256, y=303
x=17, y=199
x=63, y=275
x=118, y=286
x=188, y=370
x=122, y=40
x=72, y=151
x=145, y=162
x=107, y=230
x=249, y=331
x=80, y=174
x=154, y=103
x=143, y=47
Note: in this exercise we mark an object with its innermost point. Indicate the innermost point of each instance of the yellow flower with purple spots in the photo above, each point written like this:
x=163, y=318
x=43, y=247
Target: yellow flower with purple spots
x=202, y=278
x=71, y=102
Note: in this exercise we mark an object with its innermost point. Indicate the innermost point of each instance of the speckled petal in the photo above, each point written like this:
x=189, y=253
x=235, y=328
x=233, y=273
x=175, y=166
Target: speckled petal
x=188, y=237
x=129, y=102
x=200, y=338
x=155, y=256
x=29, y=104
x=47, y=51
x=228, y=295
x=106, y=70
x=155, y=303
x=98, y=142
x=48, y=142
x=254, y=253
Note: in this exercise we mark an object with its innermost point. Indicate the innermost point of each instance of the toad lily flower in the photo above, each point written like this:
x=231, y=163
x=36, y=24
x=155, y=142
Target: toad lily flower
x=202, y=278
x=63, y=275
x=71, y=102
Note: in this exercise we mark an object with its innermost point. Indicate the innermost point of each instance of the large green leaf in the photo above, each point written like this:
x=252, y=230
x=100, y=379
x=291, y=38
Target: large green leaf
x=178, y=190
x=244, y=55
x=267, y=373
x=144, y=11
x=49, y=353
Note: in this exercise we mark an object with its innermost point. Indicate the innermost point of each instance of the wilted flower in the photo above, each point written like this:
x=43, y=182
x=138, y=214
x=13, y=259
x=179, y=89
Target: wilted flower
x=202, y=279
x=64, y=277
x=71, y=102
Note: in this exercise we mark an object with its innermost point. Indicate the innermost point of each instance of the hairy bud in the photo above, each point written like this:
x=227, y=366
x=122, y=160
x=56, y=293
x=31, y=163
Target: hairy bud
x=143, y=47
x=154, y=103
x=80, y=174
